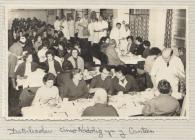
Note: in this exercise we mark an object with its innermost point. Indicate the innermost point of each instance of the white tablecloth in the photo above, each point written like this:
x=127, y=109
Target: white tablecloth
x=129, y=58
x=126, y=105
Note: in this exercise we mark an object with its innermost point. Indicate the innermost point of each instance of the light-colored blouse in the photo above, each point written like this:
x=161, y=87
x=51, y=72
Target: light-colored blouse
x=44, y=95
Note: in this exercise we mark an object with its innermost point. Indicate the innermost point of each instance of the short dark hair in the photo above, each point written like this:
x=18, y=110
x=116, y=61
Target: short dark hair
x=155, y=51
x=164, y=87
x=67, y=65
x=48, y=76
x=130, y=37
x=139, y=39
x=49, y=52
x=103, y=39
x=122, y=69
x=146, y=43
x=104, y=67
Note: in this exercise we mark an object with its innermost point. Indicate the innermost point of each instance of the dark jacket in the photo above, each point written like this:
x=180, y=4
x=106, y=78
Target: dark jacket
x=73, y=92
x=22, y=67
x=138, y=49
x=100, y=110
x=163, y=105
x=57, y=66
x=130, y=86
x=97, y=82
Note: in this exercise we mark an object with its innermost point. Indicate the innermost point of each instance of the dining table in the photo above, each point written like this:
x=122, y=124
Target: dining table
x=127, y=105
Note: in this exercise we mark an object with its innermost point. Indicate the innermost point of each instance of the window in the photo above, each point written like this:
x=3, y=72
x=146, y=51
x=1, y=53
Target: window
x=179, y=28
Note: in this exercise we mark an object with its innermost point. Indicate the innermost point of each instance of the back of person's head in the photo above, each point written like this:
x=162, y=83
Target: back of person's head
x=164, y=87
x=48, y=76
x=100, y=96
x=67, y=65
x=155, y=51
x=146, y=43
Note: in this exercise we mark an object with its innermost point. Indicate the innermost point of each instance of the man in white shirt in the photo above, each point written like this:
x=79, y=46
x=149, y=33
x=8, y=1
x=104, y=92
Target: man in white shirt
x=116, y=33
x=91, y=28
x=71, y=27
x=101, y=29
x=64, y=28
x=57, y=24
x=125, y=32
x=168, y=67
x=83, y=34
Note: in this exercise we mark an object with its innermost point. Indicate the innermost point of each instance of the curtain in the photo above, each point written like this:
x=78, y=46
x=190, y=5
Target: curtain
x=168, y=28
x=139, y=22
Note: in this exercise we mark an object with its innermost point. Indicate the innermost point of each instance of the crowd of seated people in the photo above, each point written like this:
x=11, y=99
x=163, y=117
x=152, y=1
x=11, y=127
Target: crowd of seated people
x=60, y=54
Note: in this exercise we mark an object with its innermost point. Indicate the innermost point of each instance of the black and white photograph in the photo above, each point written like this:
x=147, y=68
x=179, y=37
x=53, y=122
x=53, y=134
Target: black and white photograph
x=97, y=63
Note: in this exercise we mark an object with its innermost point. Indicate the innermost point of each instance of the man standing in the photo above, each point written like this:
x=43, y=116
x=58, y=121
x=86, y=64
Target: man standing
x=116, y=33
x=101, y=29
x=57, y=24
x=168, y=67
x=71, y=28
x=91, y=28
x=83, y=33
x=64, y=28
x=15, y=53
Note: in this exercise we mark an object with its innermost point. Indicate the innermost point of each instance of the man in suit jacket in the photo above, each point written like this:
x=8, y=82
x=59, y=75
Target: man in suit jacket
x=164, y=104
x=123, y=82
x=101, y=108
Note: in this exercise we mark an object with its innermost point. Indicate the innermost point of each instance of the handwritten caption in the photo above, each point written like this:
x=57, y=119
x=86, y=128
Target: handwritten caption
x=82, y=130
